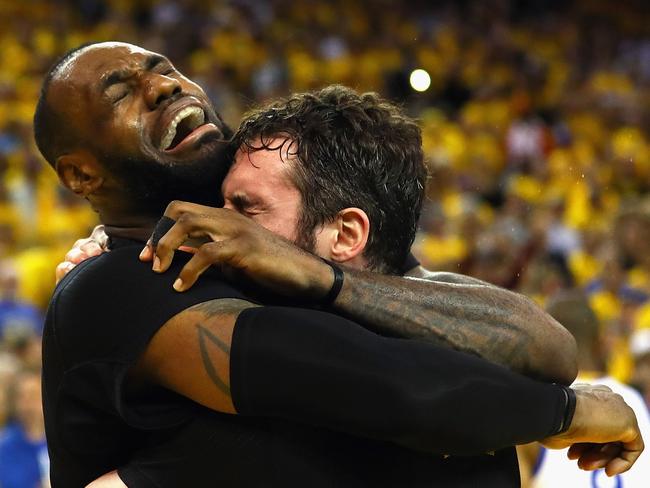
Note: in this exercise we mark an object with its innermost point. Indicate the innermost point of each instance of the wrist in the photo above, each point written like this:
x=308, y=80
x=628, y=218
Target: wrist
x=335, y=281
x=569, y=409
x=575, y=423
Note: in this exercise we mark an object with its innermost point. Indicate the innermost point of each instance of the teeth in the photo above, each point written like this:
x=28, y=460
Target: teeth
x=195, y=118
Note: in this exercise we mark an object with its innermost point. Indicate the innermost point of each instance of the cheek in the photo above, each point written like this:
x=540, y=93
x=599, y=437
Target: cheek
x=278, y=225
x=283, y=222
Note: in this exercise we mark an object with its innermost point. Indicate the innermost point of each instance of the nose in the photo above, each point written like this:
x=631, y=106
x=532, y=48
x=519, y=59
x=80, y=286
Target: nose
x=159, y=88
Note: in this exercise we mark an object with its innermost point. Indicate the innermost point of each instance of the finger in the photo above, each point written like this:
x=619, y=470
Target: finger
x=223, y=216
x=627, y=457
x=188, y=249
x=617, y=466
x=167, y=245
x=599, y=456
x=207, y=255
x=80, y=242
x=75, y=255
x=91, y=249
x=577, y=450
x=63, y=269
x=187, y=225
x=147, y=253
x=177, y=208
x=99, y=236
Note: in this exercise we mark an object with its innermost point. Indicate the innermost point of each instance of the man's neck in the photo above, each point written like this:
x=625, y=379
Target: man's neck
x=128, y=225
x=141, y=234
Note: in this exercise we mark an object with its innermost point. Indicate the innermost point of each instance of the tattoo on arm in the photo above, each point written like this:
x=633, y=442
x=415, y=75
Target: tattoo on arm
x=209, y=340
x=206, y=336
x=222, y=306
x=472, y=317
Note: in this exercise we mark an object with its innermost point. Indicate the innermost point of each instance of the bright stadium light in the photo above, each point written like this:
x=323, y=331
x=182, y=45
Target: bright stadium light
x=420, y=80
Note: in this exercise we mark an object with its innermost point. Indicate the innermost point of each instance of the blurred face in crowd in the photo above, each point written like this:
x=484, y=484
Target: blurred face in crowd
x=29, y=408
x=149, y=126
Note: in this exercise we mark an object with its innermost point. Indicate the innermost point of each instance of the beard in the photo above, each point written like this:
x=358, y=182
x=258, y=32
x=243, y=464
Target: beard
x=149, y=185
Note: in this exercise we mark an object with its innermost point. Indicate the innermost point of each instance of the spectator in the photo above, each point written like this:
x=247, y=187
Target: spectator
x=23, y=452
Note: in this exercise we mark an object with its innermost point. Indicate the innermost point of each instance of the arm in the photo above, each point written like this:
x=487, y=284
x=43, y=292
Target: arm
x=233, y=357
x=444, y=308
x=465, y=314
x=108, y=480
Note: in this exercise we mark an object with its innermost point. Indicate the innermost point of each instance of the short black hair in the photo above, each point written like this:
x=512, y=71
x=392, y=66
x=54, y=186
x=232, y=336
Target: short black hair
x=352, y=150
x=50, y=131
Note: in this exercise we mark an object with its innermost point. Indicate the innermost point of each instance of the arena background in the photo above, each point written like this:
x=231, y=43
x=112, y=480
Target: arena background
x=535, y=118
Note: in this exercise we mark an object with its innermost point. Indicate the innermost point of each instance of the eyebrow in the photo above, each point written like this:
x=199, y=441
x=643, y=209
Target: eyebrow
x=240, y=201
x=120, y=75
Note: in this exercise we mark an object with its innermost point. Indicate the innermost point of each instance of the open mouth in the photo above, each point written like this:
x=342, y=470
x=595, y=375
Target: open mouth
x=181, y=127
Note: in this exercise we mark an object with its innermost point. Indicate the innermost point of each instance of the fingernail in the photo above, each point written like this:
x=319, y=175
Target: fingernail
x=142, y=252
x=156, y=263
x=178, y=285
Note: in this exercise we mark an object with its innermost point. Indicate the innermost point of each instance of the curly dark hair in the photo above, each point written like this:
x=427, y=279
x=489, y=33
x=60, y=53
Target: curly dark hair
x=351, y=150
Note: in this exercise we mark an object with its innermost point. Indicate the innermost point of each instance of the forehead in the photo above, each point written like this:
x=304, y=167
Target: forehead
x=274, y=157
x=262, y=170
x=87, y=67
x=77, y=78
x=98, y=57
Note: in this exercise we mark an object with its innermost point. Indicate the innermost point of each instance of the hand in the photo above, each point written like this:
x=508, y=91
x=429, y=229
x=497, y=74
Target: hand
x=81, y=250
x=604, y=432
x=239, y=245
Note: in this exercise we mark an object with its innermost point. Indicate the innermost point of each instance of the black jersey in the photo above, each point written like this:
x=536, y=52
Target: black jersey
x=99, y=322
x=324, y=402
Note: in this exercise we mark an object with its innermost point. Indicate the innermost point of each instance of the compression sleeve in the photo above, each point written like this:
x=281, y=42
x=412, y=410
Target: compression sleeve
x=320, y=369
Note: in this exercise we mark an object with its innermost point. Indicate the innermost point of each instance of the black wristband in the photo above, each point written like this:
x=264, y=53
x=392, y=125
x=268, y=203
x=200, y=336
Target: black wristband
x=569, y=409
x=336, y=286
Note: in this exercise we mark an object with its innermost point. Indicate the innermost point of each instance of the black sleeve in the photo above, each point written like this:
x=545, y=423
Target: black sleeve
x=103, y=316
x=321, y=369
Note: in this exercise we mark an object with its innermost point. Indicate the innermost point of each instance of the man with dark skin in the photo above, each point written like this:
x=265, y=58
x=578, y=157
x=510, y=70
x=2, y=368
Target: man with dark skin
x=154, y=100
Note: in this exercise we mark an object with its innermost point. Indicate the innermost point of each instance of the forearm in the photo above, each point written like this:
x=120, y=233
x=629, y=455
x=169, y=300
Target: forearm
x=465, y=314
x=323, y=370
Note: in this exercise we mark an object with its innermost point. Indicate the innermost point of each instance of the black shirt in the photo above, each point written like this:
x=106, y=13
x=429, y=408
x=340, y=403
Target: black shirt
x=105, y=312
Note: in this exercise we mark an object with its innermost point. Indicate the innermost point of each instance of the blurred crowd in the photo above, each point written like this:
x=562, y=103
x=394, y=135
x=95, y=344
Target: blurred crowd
x=536, y=127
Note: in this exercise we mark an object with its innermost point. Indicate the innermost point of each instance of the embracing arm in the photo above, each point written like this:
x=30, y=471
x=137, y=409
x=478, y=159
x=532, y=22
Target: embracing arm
x=444, y=308
x=321, y=369
x=463, y=313
x=448, y=309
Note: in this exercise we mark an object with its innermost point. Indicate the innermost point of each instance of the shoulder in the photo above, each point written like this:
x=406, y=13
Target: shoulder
x=114, y=303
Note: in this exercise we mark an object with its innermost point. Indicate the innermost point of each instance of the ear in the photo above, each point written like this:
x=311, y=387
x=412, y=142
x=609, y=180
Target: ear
x=349, y=236
x=80, y=172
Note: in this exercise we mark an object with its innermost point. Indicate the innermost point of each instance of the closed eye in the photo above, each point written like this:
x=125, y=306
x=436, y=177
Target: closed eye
x=117, y=92
x=122, y=96
x=243, y=205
